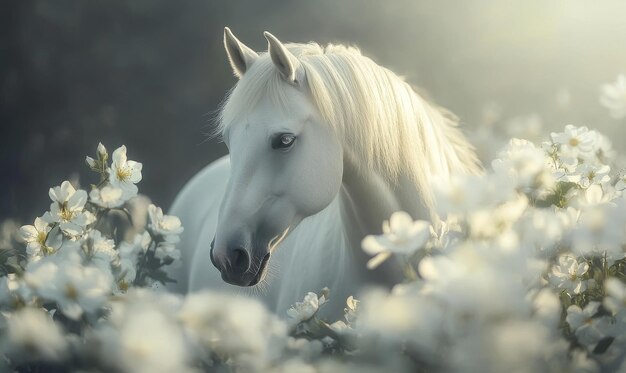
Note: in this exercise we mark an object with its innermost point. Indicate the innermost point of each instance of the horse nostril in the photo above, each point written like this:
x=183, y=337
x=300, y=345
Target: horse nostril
x=239, y=259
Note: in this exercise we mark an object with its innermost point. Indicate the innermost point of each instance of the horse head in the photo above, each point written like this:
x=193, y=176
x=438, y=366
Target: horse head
x=286, y=161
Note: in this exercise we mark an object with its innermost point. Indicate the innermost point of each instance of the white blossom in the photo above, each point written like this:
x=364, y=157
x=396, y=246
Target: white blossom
x=603, y=150
x=591, y=174
x=166, y=225
x=615, y=299
x=567, y=274
x=14, y=290
x=474, y=275
x=306, y=309
x=79, y=289
x=63, y=278
x=41, y=274
x=562, y=165
x=392, y=313
x=493, y=222
x=613, y=97
x=351, y=310
x=592, y=197
x=589, y=327
x=234, y=326
x=101, y=250
x=462, y=194
x=543, y=229
x=516, y=345
x=39, y=238
x=577, y=141
x=124, y=174
x=601, y=231
x=143, y=335
x=401, y=235
x=32, y=334
x=583, y=363
x=167, y=249
x=108, y=196
x=547, y=307
x=409, y=316
x=67, y=209
x=522, y=161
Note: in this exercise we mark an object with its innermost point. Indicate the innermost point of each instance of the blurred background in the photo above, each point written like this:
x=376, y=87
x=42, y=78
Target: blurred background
x=149, y=74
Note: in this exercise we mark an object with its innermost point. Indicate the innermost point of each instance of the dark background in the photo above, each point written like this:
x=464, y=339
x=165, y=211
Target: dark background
x=149, y=73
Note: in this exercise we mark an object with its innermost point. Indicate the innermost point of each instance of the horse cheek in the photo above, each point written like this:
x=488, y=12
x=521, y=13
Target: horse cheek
x=318, y=184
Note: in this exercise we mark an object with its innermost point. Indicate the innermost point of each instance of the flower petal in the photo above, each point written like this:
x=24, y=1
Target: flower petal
x=372, y=246
x=28, y=233
x=77, y=201
x=378, y=260
x=400, y=221
x=119, y=155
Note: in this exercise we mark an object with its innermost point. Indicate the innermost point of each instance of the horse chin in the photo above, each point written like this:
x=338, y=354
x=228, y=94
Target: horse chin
x=262, y=272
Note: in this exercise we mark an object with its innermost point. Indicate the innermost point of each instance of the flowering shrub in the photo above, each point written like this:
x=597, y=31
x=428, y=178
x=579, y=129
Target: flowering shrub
x=78, y=257
x=526, y=271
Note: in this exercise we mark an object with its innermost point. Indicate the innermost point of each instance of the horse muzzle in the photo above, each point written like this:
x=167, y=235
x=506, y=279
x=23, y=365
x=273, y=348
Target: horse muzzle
x=237, y=267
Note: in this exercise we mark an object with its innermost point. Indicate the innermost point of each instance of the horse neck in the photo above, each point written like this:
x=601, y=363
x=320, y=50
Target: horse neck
x=366, y=199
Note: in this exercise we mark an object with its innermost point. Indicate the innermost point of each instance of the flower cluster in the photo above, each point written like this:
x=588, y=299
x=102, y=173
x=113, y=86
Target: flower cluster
x=527, y=272
x=86, y=250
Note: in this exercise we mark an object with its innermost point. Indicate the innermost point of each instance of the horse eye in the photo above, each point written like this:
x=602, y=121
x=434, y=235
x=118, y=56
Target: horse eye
x=283, y=141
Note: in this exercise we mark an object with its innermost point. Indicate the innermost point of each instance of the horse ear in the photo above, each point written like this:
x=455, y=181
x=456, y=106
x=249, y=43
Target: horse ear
x=284, y=60
x=240, y=56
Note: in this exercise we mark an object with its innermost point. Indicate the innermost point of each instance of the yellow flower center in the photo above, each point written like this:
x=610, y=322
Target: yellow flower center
x=123, y=285
x=71, y=292
x=123, y=173
x=574, y=141
x=500, y=225
x=65, y=213
x=41, y=238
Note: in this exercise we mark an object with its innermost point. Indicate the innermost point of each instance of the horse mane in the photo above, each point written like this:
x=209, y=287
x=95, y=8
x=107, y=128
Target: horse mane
x=381, y=119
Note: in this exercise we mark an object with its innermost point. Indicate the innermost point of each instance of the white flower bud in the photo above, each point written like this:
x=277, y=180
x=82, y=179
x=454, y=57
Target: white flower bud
x=102, y=151
x=90, y=162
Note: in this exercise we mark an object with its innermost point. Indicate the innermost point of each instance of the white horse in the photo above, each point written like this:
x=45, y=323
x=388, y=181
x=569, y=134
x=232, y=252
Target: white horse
x=324, y=145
